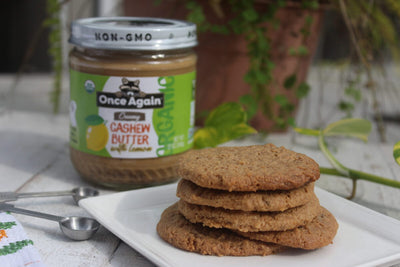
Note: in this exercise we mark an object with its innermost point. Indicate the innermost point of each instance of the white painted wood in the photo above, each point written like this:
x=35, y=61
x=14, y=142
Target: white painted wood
x=34, y=157
x=30, y=142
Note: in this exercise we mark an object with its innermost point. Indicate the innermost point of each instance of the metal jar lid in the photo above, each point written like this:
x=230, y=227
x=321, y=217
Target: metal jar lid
x=133, y=33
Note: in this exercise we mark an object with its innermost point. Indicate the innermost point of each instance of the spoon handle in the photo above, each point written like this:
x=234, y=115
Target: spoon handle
x=11, y=208
x=44, y=194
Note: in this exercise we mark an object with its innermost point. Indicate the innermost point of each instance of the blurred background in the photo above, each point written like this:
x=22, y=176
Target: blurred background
x=26, y=41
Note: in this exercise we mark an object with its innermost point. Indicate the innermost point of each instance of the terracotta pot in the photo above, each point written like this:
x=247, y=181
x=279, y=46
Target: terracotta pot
x=223, y=59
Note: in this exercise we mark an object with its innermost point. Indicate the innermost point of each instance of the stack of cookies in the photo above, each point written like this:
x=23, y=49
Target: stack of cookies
x=242, y=201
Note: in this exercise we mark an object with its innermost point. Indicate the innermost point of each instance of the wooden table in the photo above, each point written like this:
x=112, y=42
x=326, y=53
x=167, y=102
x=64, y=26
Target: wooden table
x=34, y=157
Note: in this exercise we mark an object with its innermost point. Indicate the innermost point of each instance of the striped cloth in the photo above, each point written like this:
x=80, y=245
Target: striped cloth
x=16, y=249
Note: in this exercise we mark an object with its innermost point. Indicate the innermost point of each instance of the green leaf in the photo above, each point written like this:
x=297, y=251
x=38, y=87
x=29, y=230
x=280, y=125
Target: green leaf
x=250, y=105
x=261, y=77
x=353, y=127
x=302, y=51
x=309, y=20
x=226, y=115
x=396, y=152
x=291, y=122
x=346, y=106
x=240, y=130
x=310, y=4
x=226, y=122
x=250, y=15
x=94, y=120
x=196, y=15
x=205, y=137
x=282, y=100
x=290, y=81
x=353, y=93
x=299, y=51
x=302, y=90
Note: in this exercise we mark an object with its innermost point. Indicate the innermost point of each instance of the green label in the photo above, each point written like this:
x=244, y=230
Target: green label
x=131, y=117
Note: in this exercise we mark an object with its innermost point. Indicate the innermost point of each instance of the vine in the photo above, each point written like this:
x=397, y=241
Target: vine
x=355, y=128
x=371, y=31
x=53, y=22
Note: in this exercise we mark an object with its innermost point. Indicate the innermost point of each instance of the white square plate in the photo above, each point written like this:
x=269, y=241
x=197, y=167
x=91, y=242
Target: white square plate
x=364, y=238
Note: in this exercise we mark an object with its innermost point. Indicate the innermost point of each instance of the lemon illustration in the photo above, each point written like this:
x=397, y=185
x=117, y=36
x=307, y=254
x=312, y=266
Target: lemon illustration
x=96, y=133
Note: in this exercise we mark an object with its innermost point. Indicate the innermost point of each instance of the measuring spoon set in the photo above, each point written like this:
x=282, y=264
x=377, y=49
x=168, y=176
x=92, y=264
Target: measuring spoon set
x=73, y=227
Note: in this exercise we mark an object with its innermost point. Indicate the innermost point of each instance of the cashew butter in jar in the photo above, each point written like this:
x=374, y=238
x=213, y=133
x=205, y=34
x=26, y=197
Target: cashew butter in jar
x=131, y=100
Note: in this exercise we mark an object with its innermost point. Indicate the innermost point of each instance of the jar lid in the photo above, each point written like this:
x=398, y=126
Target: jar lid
x=133, y=33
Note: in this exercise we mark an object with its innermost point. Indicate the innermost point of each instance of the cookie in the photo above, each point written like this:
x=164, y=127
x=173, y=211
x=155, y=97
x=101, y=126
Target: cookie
x=316, y=234
x=252, y=221
x=278, y=200
x=249, y=168
x=179, y=232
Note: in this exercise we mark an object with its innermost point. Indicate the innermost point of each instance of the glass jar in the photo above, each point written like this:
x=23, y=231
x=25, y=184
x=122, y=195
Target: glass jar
x=132, y=87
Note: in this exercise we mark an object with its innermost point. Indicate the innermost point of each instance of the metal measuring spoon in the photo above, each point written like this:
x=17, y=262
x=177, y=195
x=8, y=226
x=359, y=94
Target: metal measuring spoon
x=83, y=192
x=74, y=227
x=77, y=194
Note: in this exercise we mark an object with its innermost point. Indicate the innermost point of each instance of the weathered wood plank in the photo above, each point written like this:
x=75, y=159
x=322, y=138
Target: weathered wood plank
x=29, y=143
x=37, y=159
x=34, y=157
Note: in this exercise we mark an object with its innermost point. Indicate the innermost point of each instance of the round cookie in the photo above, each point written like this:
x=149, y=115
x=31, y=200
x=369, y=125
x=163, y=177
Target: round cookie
x=249, y=168
x=278, y=200
x=179, y=232
x=252, y=221
x=316, y=234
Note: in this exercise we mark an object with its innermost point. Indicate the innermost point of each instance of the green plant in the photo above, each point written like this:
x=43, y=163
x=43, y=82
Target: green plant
x=372, y=29
x=354, y=128
x=371, y=26
x=352, y=96
x=364, y=20
x=53, y=22
x=254, y=24
x=226, y=122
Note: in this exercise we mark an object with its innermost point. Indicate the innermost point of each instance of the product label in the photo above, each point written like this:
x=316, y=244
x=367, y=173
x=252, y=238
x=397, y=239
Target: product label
x=131, y=117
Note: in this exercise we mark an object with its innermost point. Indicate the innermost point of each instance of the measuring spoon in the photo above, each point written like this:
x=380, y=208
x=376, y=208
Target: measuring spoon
x=74, y=227
x=77, y=194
